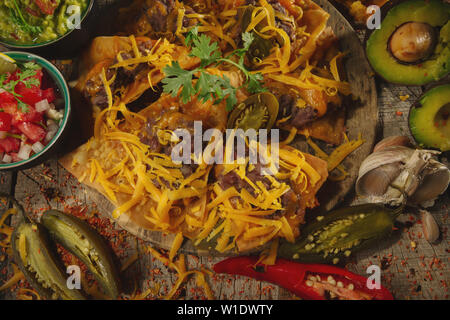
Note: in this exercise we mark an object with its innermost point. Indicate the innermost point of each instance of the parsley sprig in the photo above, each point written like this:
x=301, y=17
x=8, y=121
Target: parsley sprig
x=209, y=86
x=25, y=77
x=17, y=17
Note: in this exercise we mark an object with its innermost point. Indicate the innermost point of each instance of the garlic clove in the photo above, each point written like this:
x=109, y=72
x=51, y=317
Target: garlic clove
x=377, y=172
x=392, y=141
x=430, y=227
x=435, y=180
x=408, y=180
x=386, y=156
x=377, y=181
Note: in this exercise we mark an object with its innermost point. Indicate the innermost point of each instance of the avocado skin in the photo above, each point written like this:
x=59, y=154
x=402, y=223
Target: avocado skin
x=434, y=12
x=422, y=119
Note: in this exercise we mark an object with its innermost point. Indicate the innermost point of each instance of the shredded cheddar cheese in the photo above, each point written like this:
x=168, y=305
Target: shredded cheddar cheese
x=147, y=183
x=180, y=267
x=141, y=173
x=338, y=155
x=176, y=245
x=17, y=276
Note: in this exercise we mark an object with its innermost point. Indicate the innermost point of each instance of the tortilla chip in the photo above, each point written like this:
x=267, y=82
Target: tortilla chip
x=307, y=200
x=103, y=52
x=330, y=128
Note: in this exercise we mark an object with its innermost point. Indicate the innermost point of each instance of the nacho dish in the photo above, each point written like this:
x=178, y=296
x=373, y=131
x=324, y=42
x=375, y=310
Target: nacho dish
x=255, y=64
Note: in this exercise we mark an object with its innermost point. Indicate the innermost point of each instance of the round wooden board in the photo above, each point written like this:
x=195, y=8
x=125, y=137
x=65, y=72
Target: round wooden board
x=361, y=119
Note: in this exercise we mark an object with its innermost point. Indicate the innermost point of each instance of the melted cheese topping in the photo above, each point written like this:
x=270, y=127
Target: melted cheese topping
x=134, y=178
x=285, y=64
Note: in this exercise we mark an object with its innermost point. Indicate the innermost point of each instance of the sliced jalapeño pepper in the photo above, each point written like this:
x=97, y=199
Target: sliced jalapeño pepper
x=81, y=240
x=258, y=111
x=335, y=236
x=36, y=258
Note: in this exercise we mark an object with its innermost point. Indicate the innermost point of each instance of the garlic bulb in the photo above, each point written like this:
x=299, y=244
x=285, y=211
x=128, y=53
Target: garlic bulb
x=395, y=174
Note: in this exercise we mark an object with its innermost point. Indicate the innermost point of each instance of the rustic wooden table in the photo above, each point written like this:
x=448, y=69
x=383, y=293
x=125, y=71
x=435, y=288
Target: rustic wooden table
x=411, y=267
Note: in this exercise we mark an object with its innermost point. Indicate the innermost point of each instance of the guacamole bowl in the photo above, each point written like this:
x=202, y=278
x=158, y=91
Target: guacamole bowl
x=45, y=30
x=61, y=104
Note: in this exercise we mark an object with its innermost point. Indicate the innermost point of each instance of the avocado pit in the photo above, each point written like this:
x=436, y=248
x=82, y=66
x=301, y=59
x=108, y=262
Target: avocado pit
x=412, y=42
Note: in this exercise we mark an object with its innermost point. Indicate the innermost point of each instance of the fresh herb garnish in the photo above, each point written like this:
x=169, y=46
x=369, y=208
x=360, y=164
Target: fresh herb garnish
x=17, y=17
x=209, y=86
x=26, y=77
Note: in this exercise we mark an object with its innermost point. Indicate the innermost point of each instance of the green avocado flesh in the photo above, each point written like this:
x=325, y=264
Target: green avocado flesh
x=429, y=120
x=436, y=13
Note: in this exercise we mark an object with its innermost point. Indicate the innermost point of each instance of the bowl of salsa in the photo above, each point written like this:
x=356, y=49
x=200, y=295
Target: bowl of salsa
x=31, y=24
x=34, y=109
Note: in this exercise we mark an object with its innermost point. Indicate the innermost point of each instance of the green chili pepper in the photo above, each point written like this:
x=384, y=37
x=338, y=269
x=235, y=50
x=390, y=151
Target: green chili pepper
x=260, y=47
x=258, y=111
x=84, y=242
x=34, y=256
x=334, y=237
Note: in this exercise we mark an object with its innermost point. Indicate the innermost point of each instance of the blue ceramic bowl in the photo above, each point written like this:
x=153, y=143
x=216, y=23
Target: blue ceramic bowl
x=63, y=89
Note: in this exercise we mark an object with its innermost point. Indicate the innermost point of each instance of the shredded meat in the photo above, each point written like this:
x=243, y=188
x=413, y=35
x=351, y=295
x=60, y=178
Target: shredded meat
x=299, y=117
x=157, y=12
x=149, y=137
x=94, y=87
x=289, y=200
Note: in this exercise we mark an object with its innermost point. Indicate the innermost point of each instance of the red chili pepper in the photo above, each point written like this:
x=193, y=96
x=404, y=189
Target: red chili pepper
x=308, y=281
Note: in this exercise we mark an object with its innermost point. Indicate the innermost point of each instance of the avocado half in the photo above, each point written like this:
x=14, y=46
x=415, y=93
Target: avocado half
x=429, y=119
x=412, y=46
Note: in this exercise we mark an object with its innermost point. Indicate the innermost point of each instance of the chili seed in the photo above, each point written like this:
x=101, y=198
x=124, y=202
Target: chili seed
x=309, y=283
x=331, y=280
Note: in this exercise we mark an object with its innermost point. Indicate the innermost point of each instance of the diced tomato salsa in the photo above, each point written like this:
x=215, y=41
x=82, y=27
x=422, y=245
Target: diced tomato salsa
x=29, y=118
